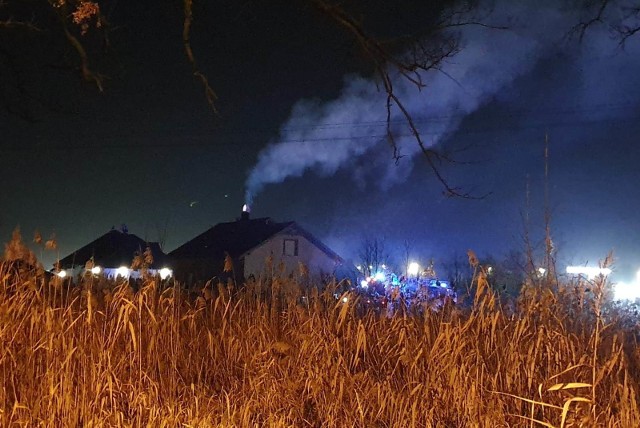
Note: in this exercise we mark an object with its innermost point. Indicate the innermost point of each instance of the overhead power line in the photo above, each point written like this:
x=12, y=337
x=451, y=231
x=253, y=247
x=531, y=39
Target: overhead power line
x=233, y=138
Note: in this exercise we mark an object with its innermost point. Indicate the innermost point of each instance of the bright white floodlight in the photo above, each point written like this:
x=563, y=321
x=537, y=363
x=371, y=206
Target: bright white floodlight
x=122, y=271
x=165, y=273
x=96, y=270
x=590, y=271
x=413, y=268
x=62, y=273
x=626, y=291
x=542, y=271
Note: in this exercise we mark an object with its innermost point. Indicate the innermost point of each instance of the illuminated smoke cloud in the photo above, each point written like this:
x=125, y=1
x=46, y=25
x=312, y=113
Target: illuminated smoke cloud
x=326, y=137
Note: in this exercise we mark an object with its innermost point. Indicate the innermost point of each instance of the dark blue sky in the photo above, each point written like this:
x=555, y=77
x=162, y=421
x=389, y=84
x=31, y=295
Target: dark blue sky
x=141, y=152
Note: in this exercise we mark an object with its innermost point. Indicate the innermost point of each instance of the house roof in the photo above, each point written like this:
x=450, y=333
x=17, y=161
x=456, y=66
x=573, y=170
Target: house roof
x=235, y=238
x=241, y=236
x=113, y=249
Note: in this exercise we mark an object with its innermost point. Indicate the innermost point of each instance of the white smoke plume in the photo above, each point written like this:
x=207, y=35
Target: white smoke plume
x=326, y=137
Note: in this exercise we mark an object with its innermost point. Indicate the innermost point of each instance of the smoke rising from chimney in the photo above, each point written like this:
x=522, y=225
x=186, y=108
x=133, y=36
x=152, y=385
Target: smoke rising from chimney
x=325, y=137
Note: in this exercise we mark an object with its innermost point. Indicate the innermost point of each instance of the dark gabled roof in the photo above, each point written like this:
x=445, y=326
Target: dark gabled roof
x=113, y=249
x=235, y=238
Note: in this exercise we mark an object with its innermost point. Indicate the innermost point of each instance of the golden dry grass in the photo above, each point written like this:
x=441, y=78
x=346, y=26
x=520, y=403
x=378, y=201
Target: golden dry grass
x=103, y=354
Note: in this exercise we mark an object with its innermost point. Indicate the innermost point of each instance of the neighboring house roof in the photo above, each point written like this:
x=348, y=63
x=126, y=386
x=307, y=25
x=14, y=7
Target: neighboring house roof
x=113, y=249
x=234, y=238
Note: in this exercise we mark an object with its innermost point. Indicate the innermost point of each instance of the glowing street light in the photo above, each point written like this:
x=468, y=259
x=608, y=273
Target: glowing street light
x=122, y=271
x=96, y=270
x=62, y=273
x=413, y=268
x=165, y=273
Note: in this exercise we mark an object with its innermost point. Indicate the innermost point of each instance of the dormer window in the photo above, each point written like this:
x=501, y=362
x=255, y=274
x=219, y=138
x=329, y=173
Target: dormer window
x=290, y=247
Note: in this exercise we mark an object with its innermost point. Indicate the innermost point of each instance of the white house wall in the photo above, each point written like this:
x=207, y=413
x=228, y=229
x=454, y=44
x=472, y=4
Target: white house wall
x=316, y=260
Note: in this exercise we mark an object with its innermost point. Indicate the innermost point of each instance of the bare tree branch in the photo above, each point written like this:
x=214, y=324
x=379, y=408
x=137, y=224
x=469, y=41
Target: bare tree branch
x=10, y=23
x=66, y=22
x=424, y=51
x=87, y=73
x=621, y=18
x=186, y=40
x=581, y=28
x=626, y=30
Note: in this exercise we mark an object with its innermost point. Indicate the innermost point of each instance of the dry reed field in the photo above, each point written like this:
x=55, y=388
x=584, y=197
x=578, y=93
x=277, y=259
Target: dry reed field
x=275, y=354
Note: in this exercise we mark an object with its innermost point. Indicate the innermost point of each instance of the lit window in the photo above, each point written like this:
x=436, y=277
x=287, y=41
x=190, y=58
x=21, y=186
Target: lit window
x=290, y=247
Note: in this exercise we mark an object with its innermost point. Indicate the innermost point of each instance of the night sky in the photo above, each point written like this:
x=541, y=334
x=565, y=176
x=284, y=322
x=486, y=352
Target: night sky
x=301, y=124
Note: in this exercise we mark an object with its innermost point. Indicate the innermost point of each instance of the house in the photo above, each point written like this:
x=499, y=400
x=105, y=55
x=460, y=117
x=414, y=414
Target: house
x=248, y=244
x=112, y=255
